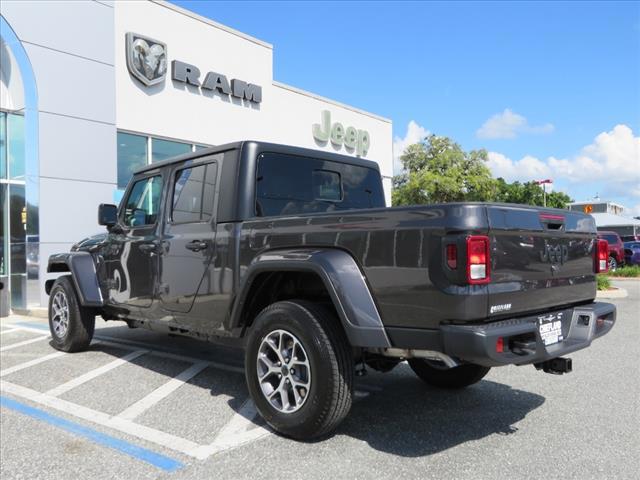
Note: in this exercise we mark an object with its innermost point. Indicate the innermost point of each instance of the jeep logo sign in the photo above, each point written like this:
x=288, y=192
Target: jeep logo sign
x=351, y=138
x=147, y=62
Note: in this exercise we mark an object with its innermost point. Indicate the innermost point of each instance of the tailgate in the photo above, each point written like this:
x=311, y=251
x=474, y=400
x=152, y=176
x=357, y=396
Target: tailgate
x=541, y=258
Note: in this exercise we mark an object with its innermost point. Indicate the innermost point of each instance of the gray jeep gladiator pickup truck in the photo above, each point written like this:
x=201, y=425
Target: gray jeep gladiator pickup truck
x=292, y=254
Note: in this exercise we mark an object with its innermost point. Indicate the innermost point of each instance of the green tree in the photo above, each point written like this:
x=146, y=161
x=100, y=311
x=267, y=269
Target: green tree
x=528, y=193
x=437, y=170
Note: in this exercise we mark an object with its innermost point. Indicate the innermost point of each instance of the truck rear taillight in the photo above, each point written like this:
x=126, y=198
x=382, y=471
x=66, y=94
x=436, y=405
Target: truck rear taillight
x=602, y=257
x=478, y=259
x=452, y=256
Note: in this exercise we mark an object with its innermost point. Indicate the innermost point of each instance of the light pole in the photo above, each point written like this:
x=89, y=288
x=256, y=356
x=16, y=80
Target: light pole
x=544, y=189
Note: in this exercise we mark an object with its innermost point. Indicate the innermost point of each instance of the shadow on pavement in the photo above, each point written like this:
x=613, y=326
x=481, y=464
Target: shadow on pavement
x=410, y=419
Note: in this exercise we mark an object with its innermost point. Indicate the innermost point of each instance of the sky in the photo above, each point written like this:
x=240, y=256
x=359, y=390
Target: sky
x=550, y=89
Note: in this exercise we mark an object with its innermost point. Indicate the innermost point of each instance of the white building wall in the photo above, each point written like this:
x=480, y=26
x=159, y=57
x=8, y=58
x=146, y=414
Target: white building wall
x=71, y=49
x=85, y=93
x=176, y=110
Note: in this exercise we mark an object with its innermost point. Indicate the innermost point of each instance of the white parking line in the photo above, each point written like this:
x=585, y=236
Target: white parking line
x=146, y=433
x=30, y=363
x=239, y=430
x=26, y=342
x=65, y=387
x=10, y=330
x=162, y=392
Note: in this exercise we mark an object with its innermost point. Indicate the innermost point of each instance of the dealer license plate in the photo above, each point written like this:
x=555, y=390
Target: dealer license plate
x=550, y=327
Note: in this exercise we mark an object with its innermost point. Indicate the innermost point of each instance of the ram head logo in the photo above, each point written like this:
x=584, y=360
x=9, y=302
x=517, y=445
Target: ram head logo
x=146, y=58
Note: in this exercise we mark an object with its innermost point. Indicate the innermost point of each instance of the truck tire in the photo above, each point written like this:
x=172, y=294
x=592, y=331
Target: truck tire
x=456, y=377
x=71, y=324
x=299, y=369
x=613, y=263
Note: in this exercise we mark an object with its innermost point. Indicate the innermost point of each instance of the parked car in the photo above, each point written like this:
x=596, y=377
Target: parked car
x=632, y=253
x=292, y=254
x=616, y=248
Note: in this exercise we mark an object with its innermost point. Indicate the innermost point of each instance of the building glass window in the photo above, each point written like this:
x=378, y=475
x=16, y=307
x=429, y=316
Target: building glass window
x=135, y=151
x=3, y=145
x=15, y=146
x=132, y=154
x=163, y=149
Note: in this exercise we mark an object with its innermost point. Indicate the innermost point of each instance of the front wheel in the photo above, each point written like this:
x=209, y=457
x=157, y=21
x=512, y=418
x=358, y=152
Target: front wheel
x=299, y=369
x=70, y=323
x=438, y=375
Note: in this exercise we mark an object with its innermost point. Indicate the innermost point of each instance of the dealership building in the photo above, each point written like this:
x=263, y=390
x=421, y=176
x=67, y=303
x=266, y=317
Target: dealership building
x=92, y=90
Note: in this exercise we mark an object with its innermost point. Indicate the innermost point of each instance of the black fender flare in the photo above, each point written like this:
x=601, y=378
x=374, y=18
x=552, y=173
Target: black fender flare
x=342, y=278
x=83, y=271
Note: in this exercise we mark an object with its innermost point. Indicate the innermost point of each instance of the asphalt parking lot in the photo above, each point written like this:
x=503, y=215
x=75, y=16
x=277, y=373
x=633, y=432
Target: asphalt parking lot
x=144, y=405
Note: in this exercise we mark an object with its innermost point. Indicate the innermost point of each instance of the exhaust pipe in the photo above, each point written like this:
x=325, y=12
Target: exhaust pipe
x=555, y=366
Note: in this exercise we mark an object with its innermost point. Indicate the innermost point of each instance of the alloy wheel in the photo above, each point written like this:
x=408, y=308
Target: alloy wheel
x=60, y=318
x=283, y=371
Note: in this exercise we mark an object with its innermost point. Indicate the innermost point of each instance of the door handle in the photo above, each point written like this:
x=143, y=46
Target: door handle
x=196, y=245
x=148, y=248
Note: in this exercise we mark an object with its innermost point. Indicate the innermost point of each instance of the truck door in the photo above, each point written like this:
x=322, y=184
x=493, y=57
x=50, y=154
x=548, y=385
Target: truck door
x=188, y=240
x=131, y=256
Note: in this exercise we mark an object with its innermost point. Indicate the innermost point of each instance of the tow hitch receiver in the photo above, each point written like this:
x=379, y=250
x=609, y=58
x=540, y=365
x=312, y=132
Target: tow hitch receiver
x=556, y=366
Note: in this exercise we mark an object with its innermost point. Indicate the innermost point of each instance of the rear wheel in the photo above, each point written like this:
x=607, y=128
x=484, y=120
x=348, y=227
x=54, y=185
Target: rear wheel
x=613, y=264
x=71, y=324
x=299, y=369
x=438, y=375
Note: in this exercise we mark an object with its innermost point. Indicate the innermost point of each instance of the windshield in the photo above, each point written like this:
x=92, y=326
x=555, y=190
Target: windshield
x=610, y=238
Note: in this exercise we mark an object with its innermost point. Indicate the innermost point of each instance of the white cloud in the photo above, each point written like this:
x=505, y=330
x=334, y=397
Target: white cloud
x=526, y=169
x=509, y=124
x=415, y=133
x=613, y=159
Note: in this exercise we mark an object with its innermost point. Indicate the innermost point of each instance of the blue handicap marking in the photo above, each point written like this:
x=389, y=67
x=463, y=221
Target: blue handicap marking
x=157, y=460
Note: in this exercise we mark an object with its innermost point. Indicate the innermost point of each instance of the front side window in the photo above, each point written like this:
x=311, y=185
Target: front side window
x=194, y=194
x=143, y=202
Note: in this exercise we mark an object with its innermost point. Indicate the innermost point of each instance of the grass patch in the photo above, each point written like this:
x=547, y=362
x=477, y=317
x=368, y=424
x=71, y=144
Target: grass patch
x=627, y=271
x=603, y=282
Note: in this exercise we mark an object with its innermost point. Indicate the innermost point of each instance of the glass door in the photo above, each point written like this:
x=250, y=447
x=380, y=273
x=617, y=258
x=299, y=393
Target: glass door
x=13, y=207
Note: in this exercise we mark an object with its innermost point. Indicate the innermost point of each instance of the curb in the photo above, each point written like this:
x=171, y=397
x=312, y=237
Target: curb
x=616, y=293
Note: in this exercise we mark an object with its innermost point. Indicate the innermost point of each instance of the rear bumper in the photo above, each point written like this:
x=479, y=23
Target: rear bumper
x=520, y=339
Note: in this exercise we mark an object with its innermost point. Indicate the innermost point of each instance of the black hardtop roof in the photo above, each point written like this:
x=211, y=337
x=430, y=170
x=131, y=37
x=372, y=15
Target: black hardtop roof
x=262, y=147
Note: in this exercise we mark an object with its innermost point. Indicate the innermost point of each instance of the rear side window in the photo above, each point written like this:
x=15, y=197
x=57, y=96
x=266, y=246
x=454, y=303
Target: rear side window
x=194, y=194
x=143, y=202
x=291, y=185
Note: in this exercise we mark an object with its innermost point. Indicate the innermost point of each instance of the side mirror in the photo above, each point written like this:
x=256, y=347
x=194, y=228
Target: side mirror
x=107, y=215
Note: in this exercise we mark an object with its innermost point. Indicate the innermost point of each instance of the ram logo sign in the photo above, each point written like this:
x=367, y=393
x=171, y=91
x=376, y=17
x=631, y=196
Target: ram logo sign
x=146, y=58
